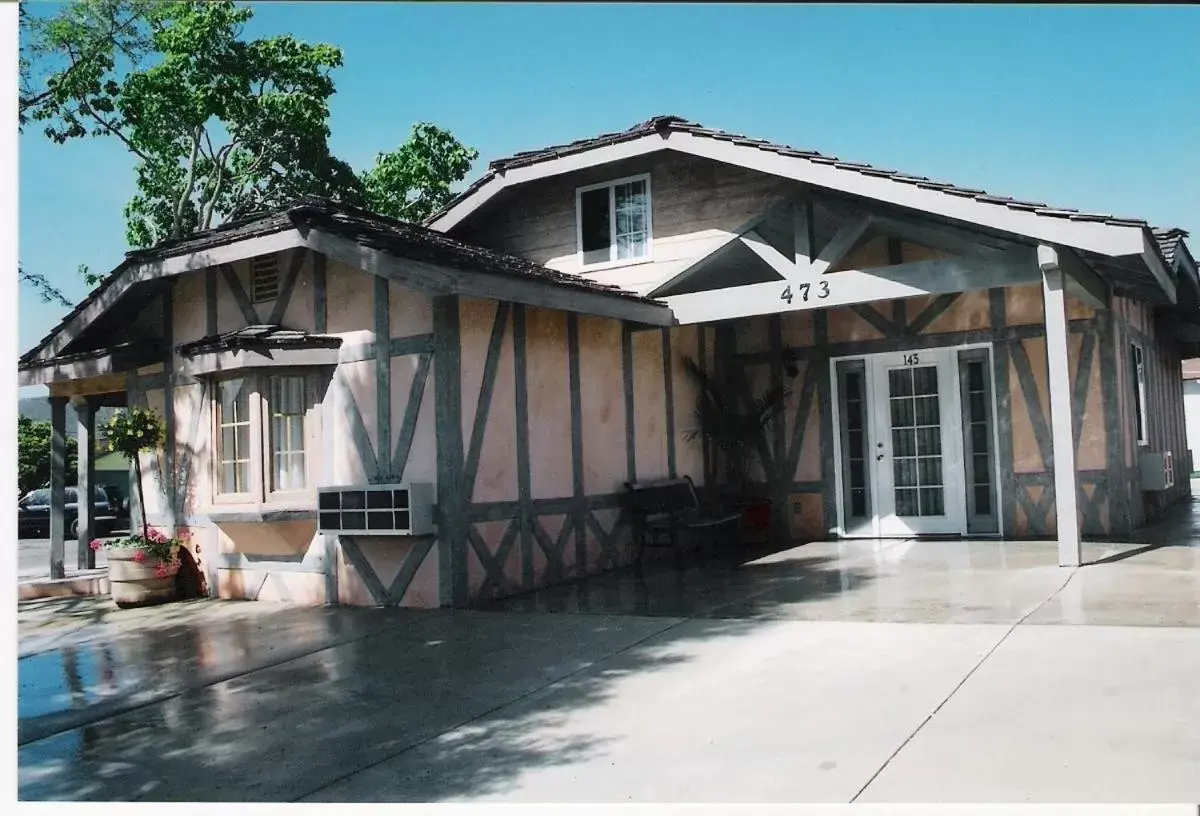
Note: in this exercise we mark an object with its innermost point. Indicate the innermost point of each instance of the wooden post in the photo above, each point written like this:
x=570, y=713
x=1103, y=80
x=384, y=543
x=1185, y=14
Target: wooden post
x=58, y=491
x=85, y=435
x=1070, y=552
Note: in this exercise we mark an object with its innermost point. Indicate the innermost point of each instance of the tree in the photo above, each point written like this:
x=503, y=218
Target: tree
x=221, y=127
x=413, y=181
x=33, y=455
x=130, y=433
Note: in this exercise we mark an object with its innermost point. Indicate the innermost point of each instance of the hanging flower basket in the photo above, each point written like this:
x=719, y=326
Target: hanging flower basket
x=142, y=568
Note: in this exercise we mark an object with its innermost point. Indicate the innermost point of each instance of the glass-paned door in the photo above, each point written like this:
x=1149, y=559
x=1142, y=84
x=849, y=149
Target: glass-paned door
x=916, y=453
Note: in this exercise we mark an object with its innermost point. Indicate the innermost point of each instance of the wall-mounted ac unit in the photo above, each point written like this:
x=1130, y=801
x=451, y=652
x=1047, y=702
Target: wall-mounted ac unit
x=404, y=509
x=1157, y=471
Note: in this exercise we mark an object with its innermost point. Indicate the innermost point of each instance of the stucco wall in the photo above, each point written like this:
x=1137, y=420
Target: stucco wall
x=347, y=446
x=1012, y=321
x=558, y=411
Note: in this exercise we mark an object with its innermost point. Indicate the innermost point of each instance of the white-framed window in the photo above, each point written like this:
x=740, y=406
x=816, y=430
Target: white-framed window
x=264, y=431
x=613, y=222
x=1137, y=374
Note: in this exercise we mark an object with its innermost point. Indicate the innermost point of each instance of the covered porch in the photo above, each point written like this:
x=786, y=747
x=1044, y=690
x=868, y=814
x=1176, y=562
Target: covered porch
x=88, y=382
x=946, y=378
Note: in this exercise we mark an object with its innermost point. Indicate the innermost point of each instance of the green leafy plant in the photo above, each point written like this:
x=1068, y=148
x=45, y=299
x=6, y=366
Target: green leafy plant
x=130, y=433
x=33, y=455
x=736, y=430
x=221, y=126
x=152, y=543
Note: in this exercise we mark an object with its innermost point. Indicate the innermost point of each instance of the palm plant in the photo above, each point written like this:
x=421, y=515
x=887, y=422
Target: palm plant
x=738, y=433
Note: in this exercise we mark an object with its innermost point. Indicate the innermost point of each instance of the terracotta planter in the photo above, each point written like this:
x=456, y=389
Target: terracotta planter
x=134, y=583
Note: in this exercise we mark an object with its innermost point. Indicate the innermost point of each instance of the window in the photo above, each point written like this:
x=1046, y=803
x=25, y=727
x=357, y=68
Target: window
x=287, y=433
x=614, y=221
x=264, y=279
x=1137, y=373
x=233, y=437
x=262, y=436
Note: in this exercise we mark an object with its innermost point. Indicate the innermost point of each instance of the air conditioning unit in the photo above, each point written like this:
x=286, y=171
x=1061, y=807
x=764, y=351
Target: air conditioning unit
x=1157, y=471
x=404, y=509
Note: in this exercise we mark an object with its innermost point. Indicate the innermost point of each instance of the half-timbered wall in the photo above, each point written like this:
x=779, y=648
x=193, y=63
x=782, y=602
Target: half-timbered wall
x=800, y=463
x=557, y=411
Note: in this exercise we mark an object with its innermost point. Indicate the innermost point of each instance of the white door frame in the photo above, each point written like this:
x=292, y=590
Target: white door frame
x=839, y=530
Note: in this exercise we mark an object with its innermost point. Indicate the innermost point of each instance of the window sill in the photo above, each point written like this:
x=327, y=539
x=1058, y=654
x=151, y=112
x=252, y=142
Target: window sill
x=265, y=514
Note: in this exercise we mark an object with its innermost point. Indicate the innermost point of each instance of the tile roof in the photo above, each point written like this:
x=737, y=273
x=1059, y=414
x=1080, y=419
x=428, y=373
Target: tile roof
x=258, y=337
x=1169, y=241
x=677, y=124
x=423, y=244
x=366, y=228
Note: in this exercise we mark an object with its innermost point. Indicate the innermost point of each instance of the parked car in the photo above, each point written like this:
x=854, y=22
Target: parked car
x=33, y=512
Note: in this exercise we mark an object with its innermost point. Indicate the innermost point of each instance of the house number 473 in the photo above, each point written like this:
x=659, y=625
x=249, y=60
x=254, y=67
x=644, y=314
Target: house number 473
x=802, y=290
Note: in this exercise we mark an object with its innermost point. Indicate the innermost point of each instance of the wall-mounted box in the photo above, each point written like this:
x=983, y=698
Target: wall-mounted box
x=1157, y=470
x=403, y=509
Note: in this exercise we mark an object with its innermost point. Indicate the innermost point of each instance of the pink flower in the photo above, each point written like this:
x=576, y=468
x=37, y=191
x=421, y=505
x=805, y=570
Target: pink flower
x=139, y=556
x=96, y=544
x=161, y=571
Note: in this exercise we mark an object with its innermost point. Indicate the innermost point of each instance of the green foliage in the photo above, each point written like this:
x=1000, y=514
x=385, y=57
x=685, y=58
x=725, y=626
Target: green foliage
x=221, y=127
x=738, y=433
x=133, y=431
x=413, y=181
x=130, y=432
x=33, y=455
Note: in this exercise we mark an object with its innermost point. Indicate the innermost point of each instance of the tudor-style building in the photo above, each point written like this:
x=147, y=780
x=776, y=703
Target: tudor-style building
x=365, y=411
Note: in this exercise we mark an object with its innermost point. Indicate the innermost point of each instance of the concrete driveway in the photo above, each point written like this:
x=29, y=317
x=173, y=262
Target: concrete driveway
x=928, y=672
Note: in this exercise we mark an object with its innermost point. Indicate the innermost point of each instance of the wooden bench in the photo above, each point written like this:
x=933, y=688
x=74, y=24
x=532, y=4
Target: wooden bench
x=661, y=509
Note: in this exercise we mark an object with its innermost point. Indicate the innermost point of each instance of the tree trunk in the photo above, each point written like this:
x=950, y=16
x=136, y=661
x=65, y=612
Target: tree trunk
x=137, y=468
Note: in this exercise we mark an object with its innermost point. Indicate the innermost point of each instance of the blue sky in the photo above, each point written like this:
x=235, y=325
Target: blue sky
x=1088, y=107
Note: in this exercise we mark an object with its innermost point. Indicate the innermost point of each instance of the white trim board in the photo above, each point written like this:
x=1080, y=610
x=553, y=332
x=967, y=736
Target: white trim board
x=838, y=529
x=1106, y=239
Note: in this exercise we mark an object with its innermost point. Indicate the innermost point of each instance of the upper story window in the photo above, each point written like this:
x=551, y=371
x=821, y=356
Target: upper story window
x=263, y=437
x=1137, y=373
x=614, y=221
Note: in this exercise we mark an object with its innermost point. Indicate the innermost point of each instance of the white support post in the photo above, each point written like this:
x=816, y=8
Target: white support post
x=58, y=482
x=85, y=435
x=1070, y=553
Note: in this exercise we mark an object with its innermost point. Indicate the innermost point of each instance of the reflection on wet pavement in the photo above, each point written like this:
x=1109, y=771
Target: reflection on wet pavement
x=235, y=701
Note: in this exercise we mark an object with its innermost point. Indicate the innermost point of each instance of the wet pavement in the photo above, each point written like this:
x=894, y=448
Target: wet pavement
x=906, y=671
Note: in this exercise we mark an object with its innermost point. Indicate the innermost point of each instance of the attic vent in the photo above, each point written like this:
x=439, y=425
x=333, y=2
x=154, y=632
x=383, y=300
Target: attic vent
x=264, y=278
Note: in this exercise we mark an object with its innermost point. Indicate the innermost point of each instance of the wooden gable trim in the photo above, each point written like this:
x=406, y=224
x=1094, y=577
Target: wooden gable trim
x=135, y=273
x=1106, y=239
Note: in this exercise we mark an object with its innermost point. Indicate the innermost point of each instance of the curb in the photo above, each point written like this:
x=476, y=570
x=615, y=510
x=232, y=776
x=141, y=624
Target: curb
x=86, y=583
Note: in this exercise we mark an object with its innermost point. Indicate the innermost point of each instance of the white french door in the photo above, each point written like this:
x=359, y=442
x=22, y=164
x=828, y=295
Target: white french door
x=915, y=443
x=916, y=453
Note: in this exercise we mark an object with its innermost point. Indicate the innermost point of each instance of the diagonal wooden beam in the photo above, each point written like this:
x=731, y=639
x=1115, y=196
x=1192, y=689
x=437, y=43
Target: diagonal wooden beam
x=770, y=255
x=288, y=286
x=932, y=312
x=412, y=410
x=412, y=562
x=839, y=245
x=479, y=427
x=239, y=295
x=361, y=566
